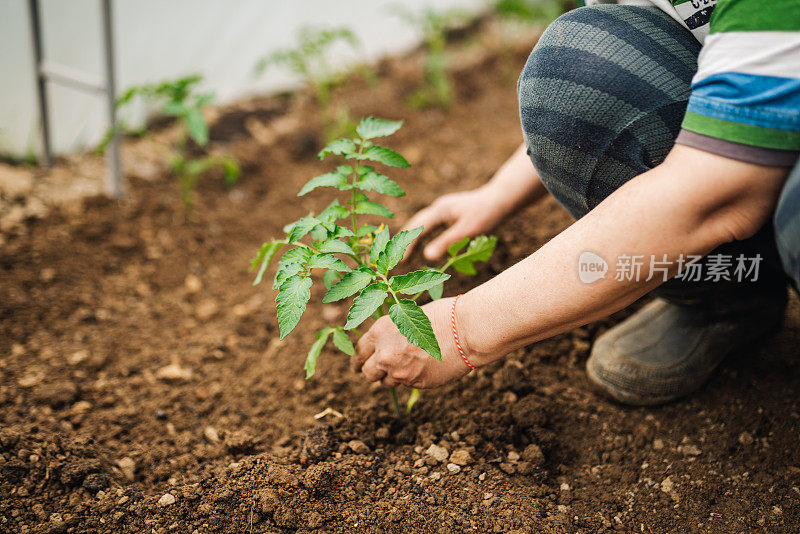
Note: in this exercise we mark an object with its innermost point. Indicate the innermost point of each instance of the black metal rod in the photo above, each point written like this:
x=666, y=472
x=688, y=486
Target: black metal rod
x=41, y=81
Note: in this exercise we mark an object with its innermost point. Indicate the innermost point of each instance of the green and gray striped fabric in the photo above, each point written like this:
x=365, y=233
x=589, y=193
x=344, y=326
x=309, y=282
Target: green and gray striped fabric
x=745, y=100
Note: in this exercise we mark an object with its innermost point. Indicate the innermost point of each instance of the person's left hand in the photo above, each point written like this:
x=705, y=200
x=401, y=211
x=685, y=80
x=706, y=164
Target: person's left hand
x=383, y=354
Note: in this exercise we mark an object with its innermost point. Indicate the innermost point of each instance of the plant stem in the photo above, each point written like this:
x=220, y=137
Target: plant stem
x=396, y=402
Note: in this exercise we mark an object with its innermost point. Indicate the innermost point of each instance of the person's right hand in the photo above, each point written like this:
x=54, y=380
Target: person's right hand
x=467, y=213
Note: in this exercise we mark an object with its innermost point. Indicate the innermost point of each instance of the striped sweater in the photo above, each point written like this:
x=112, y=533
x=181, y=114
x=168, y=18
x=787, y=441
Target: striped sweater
x=745, y=101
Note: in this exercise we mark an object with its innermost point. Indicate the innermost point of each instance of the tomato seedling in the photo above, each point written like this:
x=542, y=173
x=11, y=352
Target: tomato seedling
x=309, y=61
x=358, y=258
x=179, y=98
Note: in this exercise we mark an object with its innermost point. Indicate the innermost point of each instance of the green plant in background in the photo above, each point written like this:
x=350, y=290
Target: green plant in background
x=179, y=98
x=531, y=11
x=358, y=258
x=309, y=60
x=437, y=87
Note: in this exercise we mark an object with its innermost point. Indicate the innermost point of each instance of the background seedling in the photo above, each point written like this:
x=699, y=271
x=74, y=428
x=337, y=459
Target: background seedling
x=309, y=60
x=437, y=85
x=180, y=98
x=357, y=258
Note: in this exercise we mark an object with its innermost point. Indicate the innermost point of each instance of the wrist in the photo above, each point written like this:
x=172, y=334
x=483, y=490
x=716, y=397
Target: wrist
x=474, y=333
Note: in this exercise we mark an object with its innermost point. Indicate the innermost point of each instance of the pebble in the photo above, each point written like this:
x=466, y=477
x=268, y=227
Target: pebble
x=746, y=438
x=438, y=453
x=658, y=444
x=453, y=468
x=358, y=446
x=691, y=450
x=565, y=486
x=533, y=455
x=211, y=434
x=206, y=309
x=436, y=475
x=460, y=457
x=193, y=284
x=128, y=468
x=166, y=499
x=78, y=356
x=667, y=485
x=174, y=371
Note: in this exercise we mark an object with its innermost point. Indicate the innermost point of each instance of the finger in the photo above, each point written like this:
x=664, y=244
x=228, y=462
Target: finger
x=371, y=371
x=429, y=218
x=438, y=246
x=364, y=349
x=389, y=382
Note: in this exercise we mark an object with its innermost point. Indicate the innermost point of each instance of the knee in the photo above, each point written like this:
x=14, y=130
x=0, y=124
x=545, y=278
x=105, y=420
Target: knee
x=553, y=89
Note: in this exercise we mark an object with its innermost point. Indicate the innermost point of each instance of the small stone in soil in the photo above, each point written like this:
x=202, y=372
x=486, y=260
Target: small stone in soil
x=358, y=446
x=460, y=457
x=453, y=469
x=533, y=455
x=437, y=453
x=658, y=444
x=128, y=468
x=211, y=434
x=166, y=499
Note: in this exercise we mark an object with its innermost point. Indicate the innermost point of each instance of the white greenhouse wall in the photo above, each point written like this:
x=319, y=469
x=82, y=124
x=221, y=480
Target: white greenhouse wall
x=161, y=39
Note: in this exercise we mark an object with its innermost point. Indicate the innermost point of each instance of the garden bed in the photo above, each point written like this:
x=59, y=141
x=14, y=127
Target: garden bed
x=143, y=386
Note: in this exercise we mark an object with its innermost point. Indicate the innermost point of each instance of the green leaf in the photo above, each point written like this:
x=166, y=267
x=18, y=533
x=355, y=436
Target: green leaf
x=365, y=304
x=302, y=227
x=374, y=181
x=330, y=278
x=341, y=231
x=315, y=350
x=334, y=245
x=295, y=255
x=436, y=292
x=231, y=171
x=456, y=247
x=349, y=285
x=412, y=283
x=479, y=249
x=378, y=244
x=327, y=261
x=342, y=342
x=290, y=264
x=340, y=147
x=264, y=256
x=197, y=126
x=413, y=397
x=332, y=213
x=384, y=155
x=366, y=229
x=372, y=127
x=367, y=207
x=295, y=293
x=331, y=179
x=396, y=248
x=415, y=326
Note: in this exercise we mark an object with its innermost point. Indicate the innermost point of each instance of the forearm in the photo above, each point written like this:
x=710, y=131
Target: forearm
x=516, y=183
x=659, y=213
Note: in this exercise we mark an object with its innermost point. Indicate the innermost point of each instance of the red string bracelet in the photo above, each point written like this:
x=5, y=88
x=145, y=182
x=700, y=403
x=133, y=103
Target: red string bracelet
x=455, y=333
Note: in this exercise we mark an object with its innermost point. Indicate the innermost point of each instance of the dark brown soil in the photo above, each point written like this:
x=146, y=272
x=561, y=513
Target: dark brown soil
x=143, y=387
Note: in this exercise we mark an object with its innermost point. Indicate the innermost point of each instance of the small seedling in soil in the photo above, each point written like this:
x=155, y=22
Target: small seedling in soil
x=309, y=61
x=437, y=86
x=180, y=99
x=531, y=11
x=357, y=258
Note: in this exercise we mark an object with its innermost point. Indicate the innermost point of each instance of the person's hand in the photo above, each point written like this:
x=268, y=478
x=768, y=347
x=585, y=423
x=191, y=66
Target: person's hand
x=467, y=213
x=383, y=354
